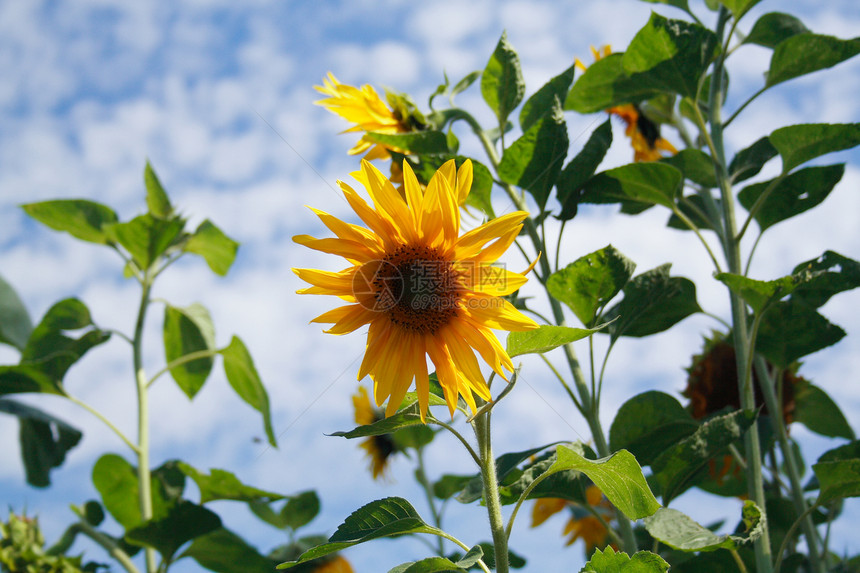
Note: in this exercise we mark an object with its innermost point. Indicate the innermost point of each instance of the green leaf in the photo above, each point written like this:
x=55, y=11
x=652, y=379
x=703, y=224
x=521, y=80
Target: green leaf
x=696, y=165
x=618, y=476
x=387, y=517
x=300, y=509
x=506, y=465
x=758, y=294
x=502, y=82
x=673, y=54
x=830, y=274
x=653, y=302
x=429, y=565
x=221, y=484
x=679, y=531
x=543, y=101
x=796, y=193
x=806, y=53
x=682, y=4
x=774, y=27
x=146, y=238
x=648, y=424
x=156, y=198
x=791, y=330
x=223, y=551
x=798, y=144
x=82, y=219
x=574, y=175
x=545, y=338
x=816, y=410
x=44, y=440
x=417, y=142
x=50, y=352
x=15, y=323
x=739, y=7
x=534, y=161
x=22, y=379
x=116, y=481
x=646, y=183
x=404, y=418
x=748, y=162
x=675, y=467
x=566, y=484
x=184, y=521
x=216, y=248
x=608, y=561
x=465, y=83
x=606, y=83
x=590, y=282
x=838, y=473
x=243, y=378
x=186, y=331
x=448, y=485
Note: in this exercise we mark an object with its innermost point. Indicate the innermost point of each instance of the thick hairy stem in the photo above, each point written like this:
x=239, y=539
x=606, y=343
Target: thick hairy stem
x=491, y=491
x=143, y=474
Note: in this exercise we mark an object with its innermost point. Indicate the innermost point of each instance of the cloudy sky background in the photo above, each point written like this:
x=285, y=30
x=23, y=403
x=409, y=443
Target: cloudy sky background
x=219, y=98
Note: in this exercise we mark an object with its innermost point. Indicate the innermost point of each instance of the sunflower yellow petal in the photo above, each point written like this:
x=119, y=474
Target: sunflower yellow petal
x=388, y=201
x=414, y=195
x=471, y=243
x=497, y=313
x=355, y=252
x=336, y=283
x=488, y=346
x=377, y=339
x=384, y=228
x=345, y=230
x=464, y=181
x=446, y=371
x=497, y=281
x=346, y=318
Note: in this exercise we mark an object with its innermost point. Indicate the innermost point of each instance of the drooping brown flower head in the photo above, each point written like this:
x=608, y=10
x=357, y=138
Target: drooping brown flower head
x=712, y=384
x=379, y=448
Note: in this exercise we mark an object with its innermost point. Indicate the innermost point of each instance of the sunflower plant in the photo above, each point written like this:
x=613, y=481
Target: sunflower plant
x=430, y=295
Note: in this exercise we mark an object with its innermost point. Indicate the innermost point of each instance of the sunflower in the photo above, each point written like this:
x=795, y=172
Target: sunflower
x=379, y=448
x=644, y=134
x=582, y=524
x=423, y=289
x=369, y=113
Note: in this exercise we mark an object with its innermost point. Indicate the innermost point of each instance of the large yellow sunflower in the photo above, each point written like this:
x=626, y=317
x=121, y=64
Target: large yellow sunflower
x=423, y=289
x=366, y=110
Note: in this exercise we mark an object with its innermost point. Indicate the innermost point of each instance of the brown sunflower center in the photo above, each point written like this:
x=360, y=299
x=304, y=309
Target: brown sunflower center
x=421, y=288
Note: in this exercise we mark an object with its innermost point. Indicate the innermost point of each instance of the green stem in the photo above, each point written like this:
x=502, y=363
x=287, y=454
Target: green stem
x=184, y=359
x=789, y=534
x=143, y=474
x=104, y=420
x=791, y=469
x=731, y=248
x=108, y=545
x=481, y=424
x=586, y=399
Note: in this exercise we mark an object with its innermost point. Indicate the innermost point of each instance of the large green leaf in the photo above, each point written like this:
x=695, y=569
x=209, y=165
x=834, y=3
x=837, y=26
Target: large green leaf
x=80, y=218
x=156, y=198
x=682, y=4
x=816, y=410
x=216, y=248
x=774, y=27
x=146, y=238
x=221, y=484
x=675, y=467
x=567, y=484
x=758, y=294
x=739, y=7
x=748, y=162
x=117, y=483
x=650, y=183
x=590, y=282
x=831, y=273
x=606, y=83
x=300, y=509
x=245, y=381
x=22, y=379
x=796, y=193
x=574, y=175
x=223, y=551
x=44, y=440
x=806, y=53
x=502, y=82
x=543, y=101
x=838, y=473
x=184, y=521
x=672, y=54
x=506, y=471
x=679, y=531
x=798, y=144
x=186, y=331
x=535, y=159
x=618, y=476
x=387, y=517
x=428, y=565
x=418, y=142
x=404, y=418
x=791, y=329
x=696, y=165
x=15, y=323
x=653, y=302
x=545, y=338
x=648, y=424
x=608, y=561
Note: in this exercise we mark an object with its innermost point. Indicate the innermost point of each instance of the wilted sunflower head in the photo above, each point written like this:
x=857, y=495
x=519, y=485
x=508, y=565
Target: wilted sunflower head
x=422, y=289
x=712, y=381
x=370, y=114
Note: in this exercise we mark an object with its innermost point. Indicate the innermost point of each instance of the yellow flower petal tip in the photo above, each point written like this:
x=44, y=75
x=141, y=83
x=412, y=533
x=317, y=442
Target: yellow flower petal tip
x=424, y=290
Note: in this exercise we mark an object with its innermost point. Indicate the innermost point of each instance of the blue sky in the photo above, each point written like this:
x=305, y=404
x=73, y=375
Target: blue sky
x=218, y=96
